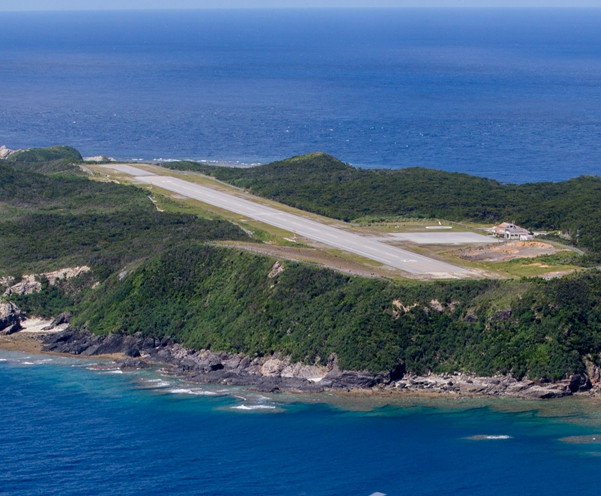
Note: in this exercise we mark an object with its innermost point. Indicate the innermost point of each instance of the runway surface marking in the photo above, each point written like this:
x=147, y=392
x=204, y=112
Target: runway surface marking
x=392, y=256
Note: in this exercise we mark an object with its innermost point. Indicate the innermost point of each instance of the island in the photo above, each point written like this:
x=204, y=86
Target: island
x=123, y=263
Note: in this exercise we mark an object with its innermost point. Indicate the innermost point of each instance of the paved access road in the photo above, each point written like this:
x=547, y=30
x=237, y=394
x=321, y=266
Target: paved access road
x=338, y=238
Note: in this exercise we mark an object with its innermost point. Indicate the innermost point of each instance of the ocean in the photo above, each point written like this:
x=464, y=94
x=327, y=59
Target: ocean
x=512, y=95
x=75, y=426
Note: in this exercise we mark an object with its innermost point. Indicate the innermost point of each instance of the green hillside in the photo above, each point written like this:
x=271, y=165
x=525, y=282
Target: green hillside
x=224, y=300
x=54, y=159
x=49, y=222
x=321, y=183
x=158, y=274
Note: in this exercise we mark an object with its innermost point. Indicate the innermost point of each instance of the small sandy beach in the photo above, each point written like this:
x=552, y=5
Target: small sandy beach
x=28, y=339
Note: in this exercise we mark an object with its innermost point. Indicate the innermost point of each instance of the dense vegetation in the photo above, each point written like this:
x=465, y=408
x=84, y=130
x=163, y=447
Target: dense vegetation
x=320, y=183
x=50, y=154
x=159, y=278
x=223, y=299
x=49, y=222
x=54, y=159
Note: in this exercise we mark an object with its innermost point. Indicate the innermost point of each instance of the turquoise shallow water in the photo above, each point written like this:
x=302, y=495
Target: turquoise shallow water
x=68, y=428
x=503, y=94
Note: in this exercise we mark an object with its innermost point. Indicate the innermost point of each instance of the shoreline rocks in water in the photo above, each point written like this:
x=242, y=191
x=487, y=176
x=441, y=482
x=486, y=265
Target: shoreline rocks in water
x=10, y=318
x=272, y=374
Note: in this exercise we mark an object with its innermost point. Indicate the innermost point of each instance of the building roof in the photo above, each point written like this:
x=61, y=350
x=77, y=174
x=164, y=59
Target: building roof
x=507, y=227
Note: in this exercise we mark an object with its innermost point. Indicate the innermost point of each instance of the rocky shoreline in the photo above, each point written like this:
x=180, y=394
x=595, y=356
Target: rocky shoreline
x=275, y=373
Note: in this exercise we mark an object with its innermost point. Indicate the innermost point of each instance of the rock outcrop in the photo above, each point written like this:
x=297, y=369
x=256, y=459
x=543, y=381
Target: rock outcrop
x=27, y=285
x=30, y=283
x=10, y=318
x=5, y=152
x=470, y=385
x=277, y=373
x=265, y=374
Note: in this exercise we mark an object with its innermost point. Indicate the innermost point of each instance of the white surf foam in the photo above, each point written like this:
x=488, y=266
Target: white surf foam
x=194, y=392
x=488, y=437
x=254, y=407
x=37, y=362
x=29, y=361
x=154, y=384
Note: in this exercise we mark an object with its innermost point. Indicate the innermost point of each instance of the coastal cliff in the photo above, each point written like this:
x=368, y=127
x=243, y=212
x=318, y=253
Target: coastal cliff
x=276, y=373
x=161, y=282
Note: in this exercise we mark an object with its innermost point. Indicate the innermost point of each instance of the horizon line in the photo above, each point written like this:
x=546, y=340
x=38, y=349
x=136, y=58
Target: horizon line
x=401, y=7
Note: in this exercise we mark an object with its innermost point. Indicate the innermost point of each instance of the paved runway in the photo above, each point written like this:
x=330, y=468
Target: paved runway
x=443, y=238
x=374, y=250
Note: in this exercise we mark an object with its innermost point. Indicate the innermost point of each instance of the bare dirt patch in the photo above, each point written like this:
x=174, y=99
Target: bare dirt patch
x=319, y=257
x=504, y=252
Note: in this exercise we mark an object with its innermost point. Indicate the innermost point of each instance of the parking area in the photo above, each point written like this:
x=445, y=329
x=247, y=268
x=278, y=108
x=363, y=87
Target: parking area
x=443, y=238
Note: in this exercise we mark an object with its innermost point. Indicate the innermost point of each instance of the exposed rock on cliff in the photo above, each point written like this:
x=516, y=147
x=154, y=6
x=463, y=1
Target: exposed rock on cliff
x=5, y=152
x=30, y=283
x=10, y=318
x=469, y=385
x=277, y=373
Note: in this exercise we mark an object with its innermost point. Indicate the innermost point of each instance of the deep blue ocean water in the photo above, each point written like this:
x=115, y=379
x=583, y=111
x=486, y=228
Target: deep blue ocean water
x=504, y=94
x=69, y=429
x=509, y=94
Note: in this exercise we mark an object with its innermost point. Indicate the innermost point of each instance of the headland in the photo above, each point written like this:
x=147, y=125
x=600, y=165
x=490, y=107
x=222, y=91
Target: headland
x=157, y=278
